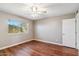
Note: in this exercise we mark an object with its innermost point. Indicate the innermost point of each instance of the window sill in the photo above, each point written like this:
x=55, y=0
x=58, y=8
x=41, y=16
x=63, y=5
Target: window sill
x=17, y=33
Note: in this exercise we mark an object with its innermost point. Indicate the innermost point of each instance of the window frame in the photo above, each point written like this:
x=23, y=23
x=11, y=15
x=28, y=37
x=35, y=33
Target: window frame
x=27, y=26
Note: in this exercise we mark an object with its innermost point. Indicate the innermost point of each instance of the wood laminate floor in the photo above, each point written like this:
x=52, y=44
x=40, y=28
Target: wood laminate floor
x=37, y=48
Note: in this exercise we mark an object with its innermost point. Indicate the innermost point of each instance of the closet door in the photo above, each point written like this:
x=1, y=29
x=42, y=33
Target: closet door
x=68, y=32
x=77, y=17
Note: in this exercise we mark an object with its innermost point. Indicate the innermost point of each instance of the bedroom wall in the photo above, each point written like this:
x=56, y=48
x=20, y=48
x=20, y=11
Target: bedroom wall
x=50, y=29
x=7, y=39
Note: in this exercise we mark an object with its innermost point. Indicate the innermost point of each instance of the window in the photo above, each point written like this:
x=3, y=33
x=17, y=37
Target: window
x=15, y=26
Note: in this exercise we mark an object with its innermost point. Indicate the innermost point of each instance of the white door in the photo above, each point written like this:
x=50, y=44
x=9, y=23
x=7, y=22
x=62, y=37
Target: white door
x=77, y=30
x=68, y=32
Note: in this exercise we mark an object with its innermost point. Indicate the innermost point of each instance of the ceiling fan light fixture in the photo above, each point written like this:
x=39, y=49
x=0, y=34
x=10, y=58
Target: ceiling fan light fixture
x=37, y=10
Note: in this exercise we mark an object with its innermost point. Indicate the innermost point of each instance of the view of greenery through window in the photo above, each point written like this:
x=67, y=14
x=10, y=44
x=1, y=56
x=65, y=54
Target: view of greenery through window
x=15, y=26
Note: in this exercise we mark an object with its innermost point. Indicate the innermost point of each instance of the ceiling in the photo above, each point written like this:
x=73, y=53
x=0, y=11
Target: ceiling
x=53, y=9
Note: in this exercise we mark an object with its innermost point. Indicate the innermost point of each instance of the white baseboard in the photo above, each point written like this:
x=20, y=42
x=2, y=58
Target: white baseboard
x=15, y=44
x=48, y=42
x=30, y=40
x=52, y=43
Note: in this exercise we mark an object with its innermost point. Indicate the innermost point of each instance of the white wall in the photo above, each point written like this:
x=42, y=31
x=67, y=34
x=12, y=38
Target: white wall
x=50, y=29
x=7, y=39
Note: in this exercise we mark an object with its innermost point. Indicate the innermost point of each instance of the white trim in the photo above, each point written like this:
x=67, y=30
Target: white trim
x=15, y=44
x=52, y=43
x=48, y=42
x=31, y=40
